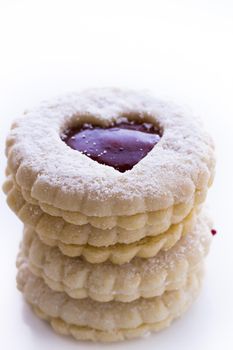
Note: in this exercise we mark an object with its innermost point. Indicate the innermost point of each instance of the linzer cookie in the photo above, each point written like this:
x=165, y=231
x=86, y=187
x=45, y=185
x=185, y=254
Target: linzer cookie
x=104, y=282
x=109, y=185
x=86, y=319
x=128, y=230
x=174, y=158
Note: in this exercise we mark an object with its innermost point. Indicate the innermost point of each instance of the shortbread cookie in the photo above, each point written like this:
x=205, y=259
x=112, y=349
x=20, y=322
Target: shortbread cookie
x=123, y=253
x=104, y=282
x=155, y=222
x=174, y=156
x=55, y=231
x=90, y=320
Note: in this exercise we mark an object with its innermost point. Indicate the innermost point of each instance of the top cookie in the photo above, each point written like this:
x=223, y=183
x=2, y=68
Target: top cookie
x=180, y=161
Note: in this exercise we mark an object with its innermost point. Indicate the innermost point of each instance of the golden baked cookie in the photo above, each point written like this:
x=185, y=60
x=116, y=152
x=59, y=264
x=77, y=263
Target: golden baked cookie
x=167, y=163
x=73, y=242
x=109, y=185
x=105, y=282
x=145, y=223
x=86, y=319
x=123, y=253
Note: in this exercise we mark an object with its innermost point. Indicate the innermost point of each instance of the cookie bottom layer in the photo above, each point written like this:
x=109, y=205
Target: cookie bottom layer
x=113, y=321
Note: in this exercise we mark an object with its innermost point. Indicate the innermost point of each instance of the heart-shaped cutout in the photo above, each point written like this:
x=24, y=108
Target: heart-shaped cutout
x=121, y=145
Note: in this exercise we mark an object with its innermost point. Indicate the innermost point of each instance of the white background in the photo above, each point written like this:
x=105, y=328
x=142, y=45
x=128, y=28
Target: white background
x=179, y=49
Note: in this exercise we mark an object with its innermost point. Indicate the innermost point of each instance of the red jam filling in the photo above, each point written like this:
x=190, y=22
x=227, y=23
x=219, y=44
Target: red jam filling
x=213, y=232
x=121, y=145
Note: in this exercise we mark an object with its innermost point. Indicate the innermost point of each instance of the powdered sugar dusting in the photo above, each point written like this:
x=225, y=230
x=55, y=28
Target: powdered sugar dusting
x=182, y=161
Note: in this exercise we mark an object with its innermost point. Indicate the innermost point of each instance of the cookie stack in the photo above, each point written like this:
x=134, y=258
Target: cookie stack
x=109, y=185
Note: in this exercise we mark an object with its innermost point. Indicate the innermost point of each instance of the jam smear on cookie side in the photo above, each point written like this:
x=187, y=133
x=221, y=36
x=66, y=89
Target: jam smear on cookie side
x=121, y=145
x=213, y=232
